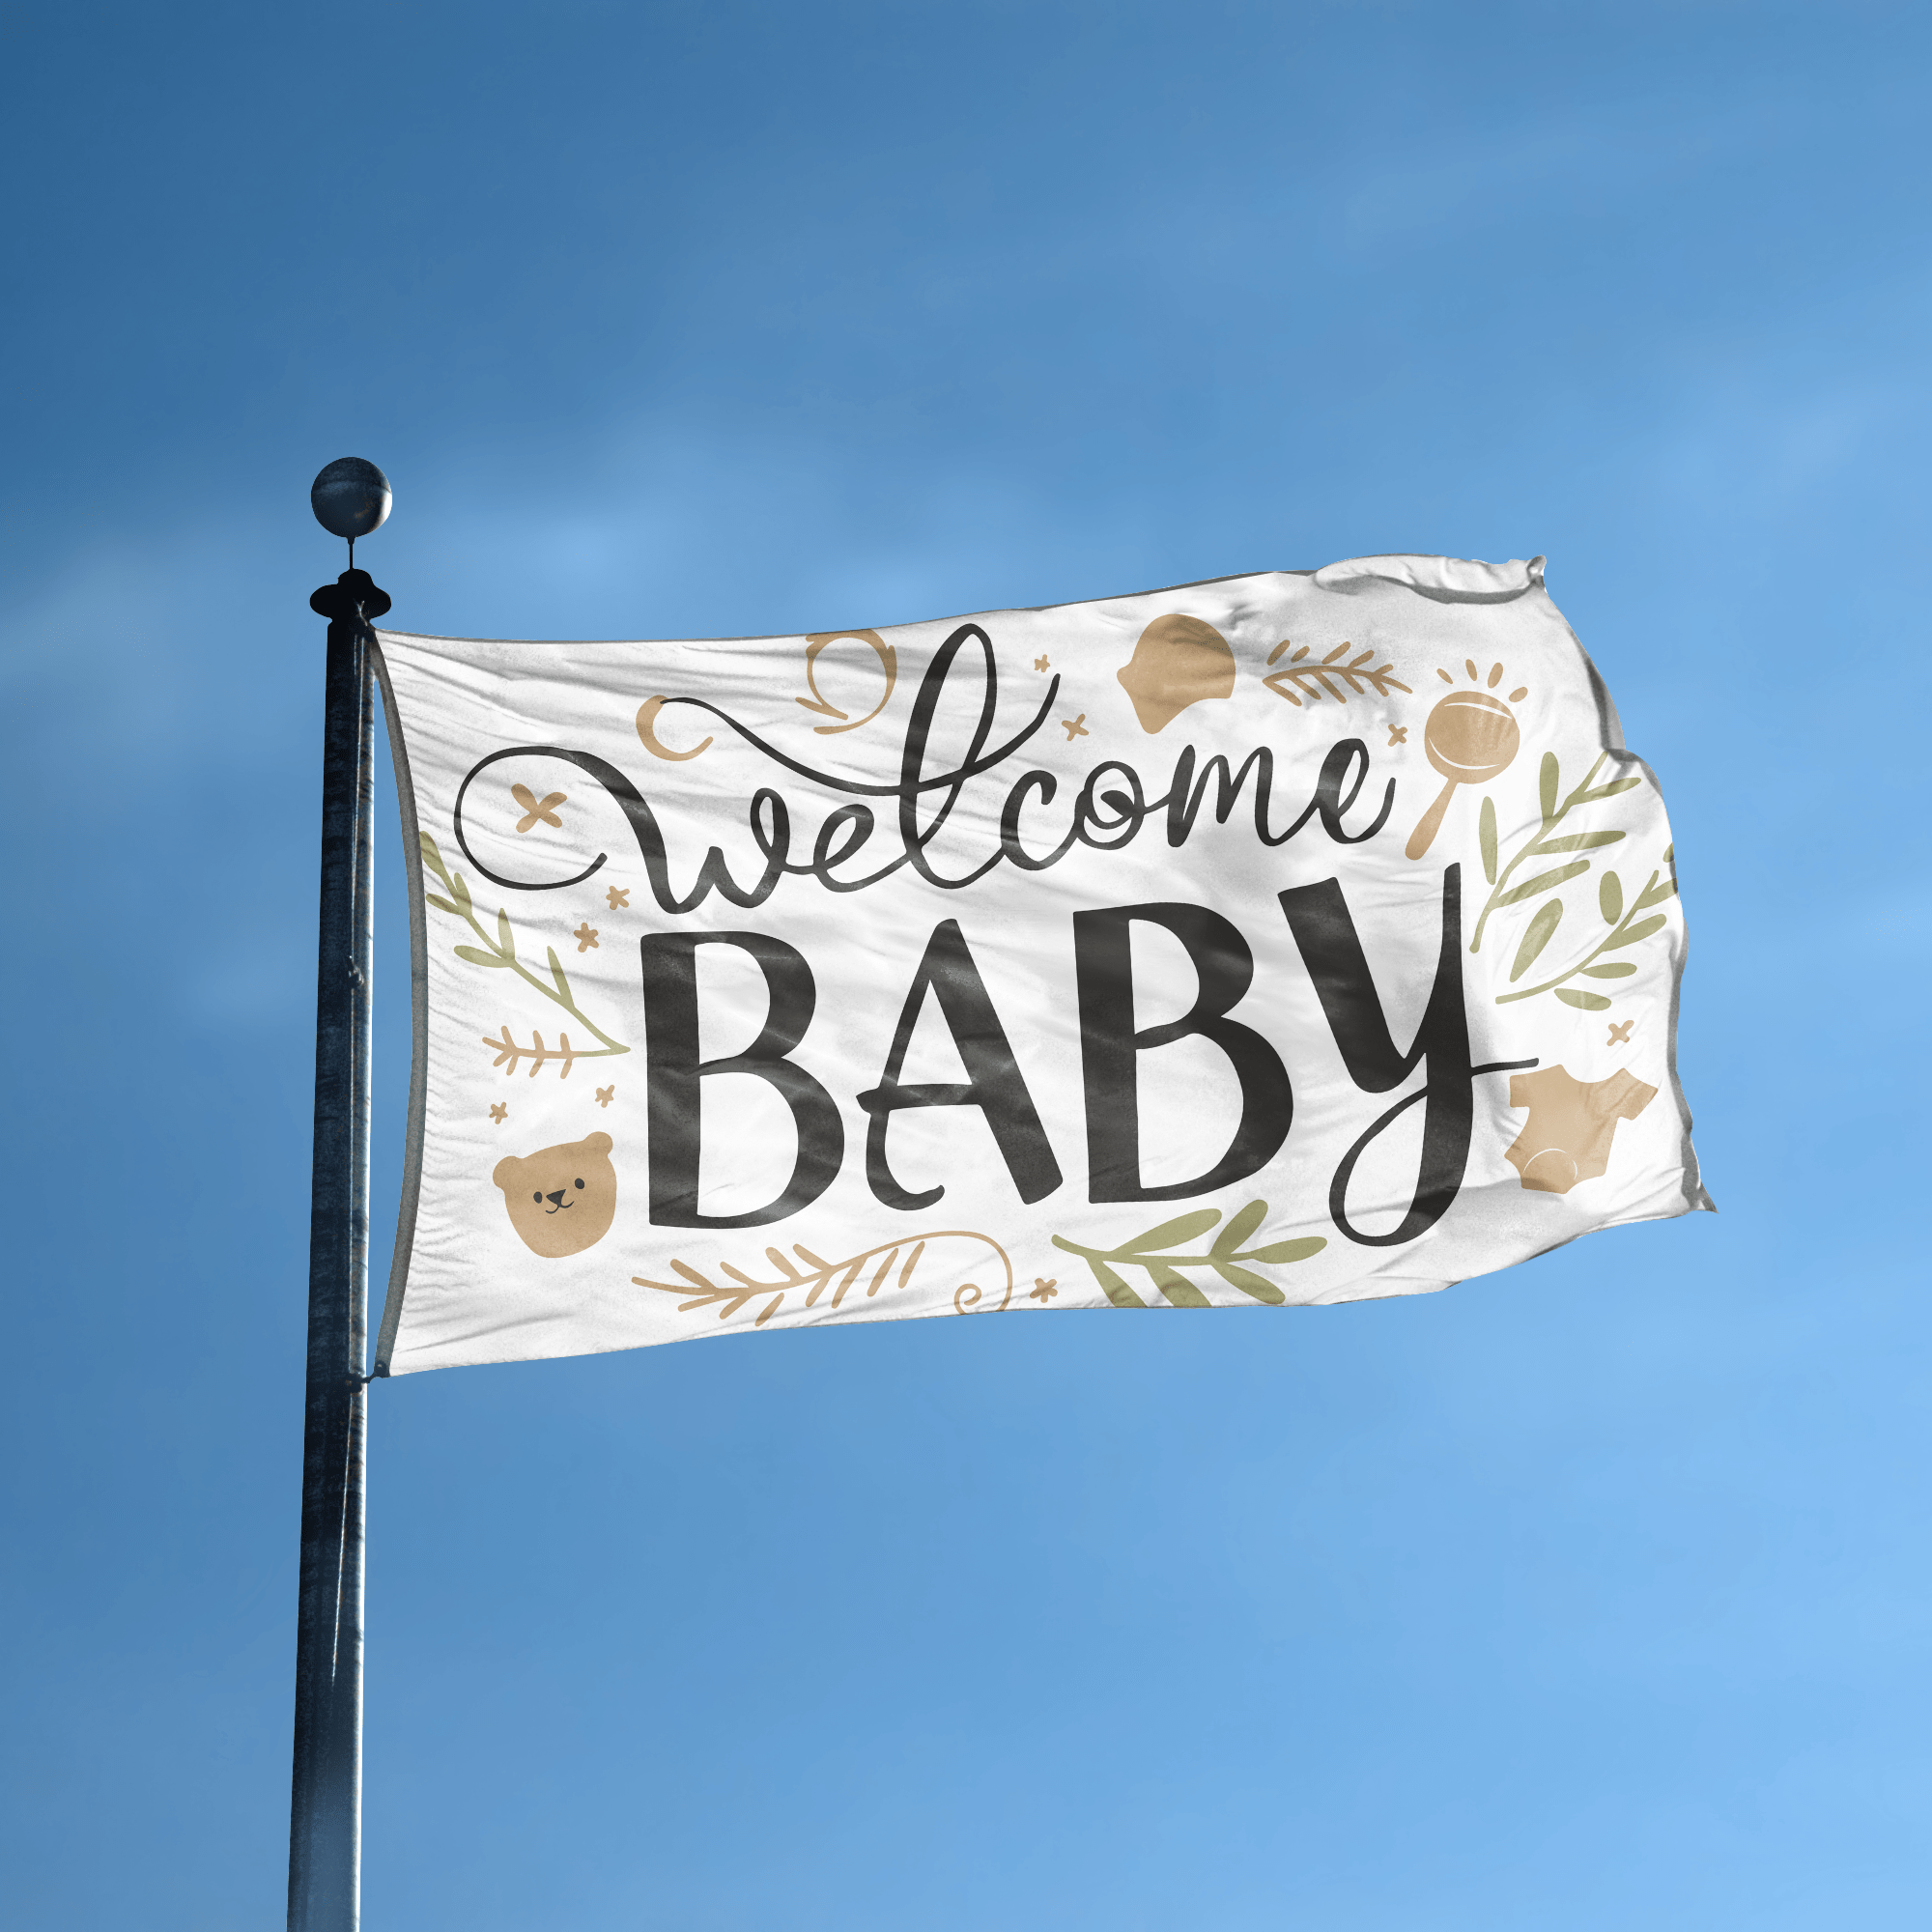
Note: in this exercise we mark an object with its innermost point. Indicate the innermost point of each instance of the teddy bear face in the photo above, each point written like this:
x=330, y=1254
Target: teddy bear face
x=560, y=1198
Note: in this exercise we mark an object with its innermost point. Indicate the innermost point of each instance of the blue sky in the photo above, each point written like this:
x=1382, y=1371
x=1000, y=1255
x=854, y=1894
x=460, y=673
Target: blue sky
x=1594, y=1594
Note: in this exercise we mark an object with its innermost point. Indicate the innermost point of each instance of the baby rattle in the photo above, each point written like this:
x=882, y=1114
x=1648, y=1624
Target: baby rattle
x=1470, y=739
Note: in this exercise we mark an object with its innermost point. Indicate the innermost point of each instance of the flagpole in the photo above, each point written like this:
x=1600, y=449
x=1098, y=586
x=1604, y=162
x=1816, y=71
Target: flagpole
x=351, y=498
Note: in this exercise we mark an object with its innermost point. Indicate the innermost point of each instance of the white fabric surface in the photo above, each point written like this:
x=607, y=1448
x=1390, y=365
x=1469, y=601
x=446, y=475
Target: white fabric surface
x=1319, y=959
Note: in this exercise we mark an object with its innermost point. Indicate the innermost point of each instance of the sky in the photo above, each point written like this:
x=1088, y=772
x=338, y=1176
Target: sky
x=1596, y=1593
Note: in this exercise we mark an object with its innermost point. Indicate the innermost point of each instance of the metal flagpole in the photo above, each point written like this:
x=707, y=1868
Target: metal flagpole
x=351, y=498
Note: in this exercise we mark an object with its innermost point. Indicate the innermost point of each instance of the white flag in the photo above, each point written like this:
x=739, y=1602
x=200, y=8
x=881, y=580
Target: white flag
x=1283, y=939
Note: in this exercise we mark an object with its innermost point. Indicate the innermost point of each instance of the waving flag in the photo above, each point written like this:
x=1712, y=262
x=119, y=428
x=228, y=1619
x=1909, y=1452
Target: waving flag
x=1285, y=939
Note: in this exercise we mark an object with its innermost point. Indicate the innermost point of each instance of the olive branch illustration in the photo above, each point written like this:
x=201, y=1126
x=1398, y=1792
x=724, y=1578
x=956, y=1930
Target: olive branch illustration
x=501, y=951
x=1543, y=842
x=819, y=1274
x=1224, y=1256
x=1311, y=680
x=1626, y=927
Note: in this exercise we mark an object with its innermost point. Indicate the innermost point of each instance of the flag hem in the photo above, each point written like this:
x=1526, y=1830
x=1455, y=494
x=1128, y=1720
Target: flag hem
x=413, y=1140
x=1696, y=1195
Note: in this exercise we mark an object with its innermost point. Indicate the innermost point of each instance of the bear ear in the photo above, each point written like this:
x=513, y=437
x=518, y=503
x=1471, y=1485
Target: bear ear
x=505, y=1172
x=599, y=1143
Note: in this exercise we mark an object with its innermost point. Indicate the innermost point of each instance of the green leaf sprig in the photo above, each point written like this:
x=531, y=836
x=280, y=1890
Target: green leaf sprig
x=502, y=952
x=1225, y=1255
x=1626, y=929
x=1545, y=842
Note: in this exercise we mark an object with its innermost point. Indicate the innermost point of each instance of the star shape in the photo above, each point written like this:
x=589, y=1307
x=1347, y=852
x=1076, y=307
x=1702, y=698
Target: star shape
x=619, y=896
x=499, y=1113
x=586, y=936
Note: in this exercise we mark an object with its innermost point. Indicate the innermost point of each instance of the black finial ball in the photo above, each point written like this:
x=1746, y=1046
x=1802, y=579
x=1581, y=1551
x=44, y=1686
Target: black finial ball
x=351, y=498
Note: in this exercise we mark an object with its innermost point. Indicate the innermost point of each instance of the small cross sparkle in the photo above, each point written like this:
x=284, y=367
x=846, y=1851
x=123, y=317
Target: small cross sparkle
x=537, y=808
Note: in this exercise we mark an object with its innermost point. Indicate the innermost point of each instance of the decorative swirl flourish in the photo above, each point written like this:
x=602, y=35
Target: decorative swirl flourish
x=912, y=782
x=647, y=735
x=889, y=662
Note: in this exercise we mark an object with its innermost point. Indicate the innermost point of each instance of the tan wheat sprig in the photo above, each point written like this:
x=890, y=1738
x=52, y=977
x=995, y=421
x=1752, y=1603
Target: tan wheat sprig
x=537, y=1055
x=1311, y=680
x=818, y=1275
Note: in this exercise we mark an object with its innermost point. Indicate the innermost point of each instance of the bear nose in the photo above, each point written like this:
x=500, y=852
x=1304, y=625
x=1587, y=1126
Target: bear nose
x=555, y=1200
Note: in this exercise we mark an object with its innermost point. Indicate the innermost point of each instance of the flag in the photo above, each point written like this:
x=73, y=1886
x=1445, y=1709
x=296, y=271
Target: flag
x=1279, y=940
